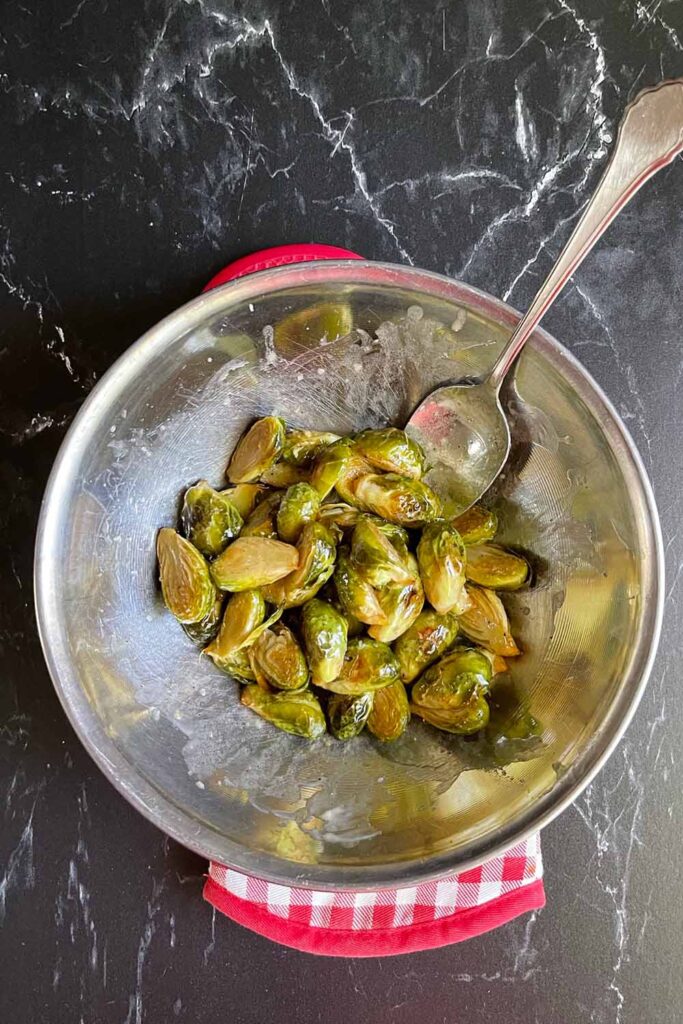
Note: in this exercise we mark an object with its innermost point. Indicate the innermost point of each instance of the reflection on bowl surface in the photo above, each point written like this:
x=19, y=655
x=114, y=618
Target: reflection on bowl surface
x=166, y=726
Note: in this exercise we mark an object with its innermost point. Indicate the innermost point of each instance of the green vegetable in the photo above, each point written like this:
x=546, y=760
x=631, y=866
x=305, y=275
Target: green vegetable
x=441, y=558
x=186, y=584
x=391, y=450
x=244, y=613
x=210, y=521
x=297, y=712
x=444, y=684
x=283, y=474
x=261, y=522
x=470, y=717
x=278, y=658
x=316, y=552
x=348, y=715
x=325, y=632
x=251, y=562
x=489, y=565
x=357, y=598
x=201, y=633
x=485, y=622
x=423, y=642
x=401, y=603
x=368, y=665
x=397, y=499
x=299, y=506
x=477, y=525
x=338, y=513
x=374, y=556
x=257, y=450
x=301, y=447
x=245, y=497
x=329, y=466
x=390, y=712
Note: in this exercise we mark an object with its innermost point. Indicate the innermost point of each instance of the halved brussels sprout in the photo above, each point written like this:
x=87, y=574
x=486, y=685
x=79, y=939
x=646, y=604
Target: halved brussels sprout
x=244, y=613
x=348, y=715
x=299, y=506
x=325, y=633
x=423, y=642
x=338, y=513
x=251, y=562
x=396, y=534
x=297, y=712
x=355, y=468
x=401, y=603
x=447, y=683
x=186, y=584
x=202, y=633
x=301, y=447
x=257, y=450
x=397, y=499
x=485, y=622
x=390, y=712
x=477, y=525
x=210, y=520
x=392, y=450
x=374, y=556
x=441, y=558
x=329, y=466
x=277, y=656
x=469, y=717
x=316, y=552
x=245, y=497
x=368, y=665
x=489, y=565
x=356, y=597
x=238, y=665
x=261, y=522
x=283, y=474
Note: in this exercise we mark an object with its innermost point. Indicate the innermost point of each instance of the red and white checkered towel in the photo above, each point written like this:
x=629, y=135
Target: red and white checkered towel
x=386, y=921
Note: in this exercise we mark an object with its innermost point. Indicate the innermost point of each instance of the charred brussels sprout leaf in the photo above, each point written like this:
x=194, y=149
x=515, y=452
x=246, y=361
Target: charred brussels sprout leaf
x=368, y=665
x=338, y=513
x=298, y=712
x=277, y=656
x=357, y=598
x=390, y=712
x=397, y=499
x=325, y=632
x=210, y=520
x=392, y=450
x=375, y=557
x=251, y=562
x=299, y=506
x=186, y=584
x=202, y=633
x=485, y=622
x=257, y=450
x=477, y=525
x=423, y=642
x=489, y=565
x=348, y=715
x=316, y=552
x=301, y=447
x=441, y=558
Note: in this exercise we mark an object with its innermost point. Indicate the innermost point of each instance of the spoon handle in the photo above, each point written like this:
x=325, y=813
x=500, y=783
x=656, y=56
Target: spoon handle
x=650, y=136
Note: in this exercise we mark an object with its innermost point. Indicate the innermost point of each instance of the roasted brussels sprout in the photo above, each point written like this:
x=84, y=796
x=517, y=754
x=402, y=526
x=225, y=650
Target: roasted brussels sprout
x=396, y=534
x=441, y=558
x=485, y=622
x=261, y=522
x=251, y=562
x=283, y=474
x=390, y=713
x=445, y=684
x=489, y=565
x=498, y=664
x=423, y=642
x=325, y=633
x=368, y=665
x=396, y=498
x=299, y=506
x=469, y=717
x=245, y=497
x=329, y=466
x=257, y=450
x=277, y=656
x=348, y=715
x=374, y=556
x=392, y=450
x=356, y=597
x=244, y=613
x=301, y=447
x=477, y=525
x=210, y=520
x=297, y=712
x=401, y=603
x=338, y=513
x=186, y=584
x=202, y=633
x=316, y=552
x=238, y=665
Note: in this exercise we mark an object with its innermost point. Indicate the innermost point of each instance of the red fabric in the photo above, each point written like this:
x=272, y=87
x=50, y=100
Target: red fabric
x=279, y=256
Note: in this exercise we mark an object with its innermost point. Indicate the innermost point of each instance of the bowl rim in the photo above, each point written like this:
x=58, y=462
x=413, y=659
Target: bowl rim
x=197, y=835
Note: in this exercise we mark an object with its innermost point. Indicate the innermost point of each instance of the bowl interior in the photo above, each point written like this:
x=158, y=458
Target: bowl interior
x=168, y=727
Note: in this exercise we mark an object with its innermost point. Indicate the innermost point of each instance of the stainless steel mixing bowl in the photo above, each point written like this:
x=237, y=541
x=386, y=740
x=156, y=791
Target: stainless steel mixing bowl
x=167, y=728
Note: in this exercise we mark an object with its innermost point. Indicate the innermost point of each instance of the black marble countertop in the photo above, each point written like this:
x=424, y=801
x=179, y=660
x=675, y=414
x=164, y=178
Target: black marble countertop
x=146, y=144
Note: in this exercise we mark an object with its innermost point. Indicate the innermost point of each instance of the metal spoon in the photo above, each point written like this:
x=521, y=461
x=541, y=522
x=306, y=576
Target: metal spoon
x=462, y=427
